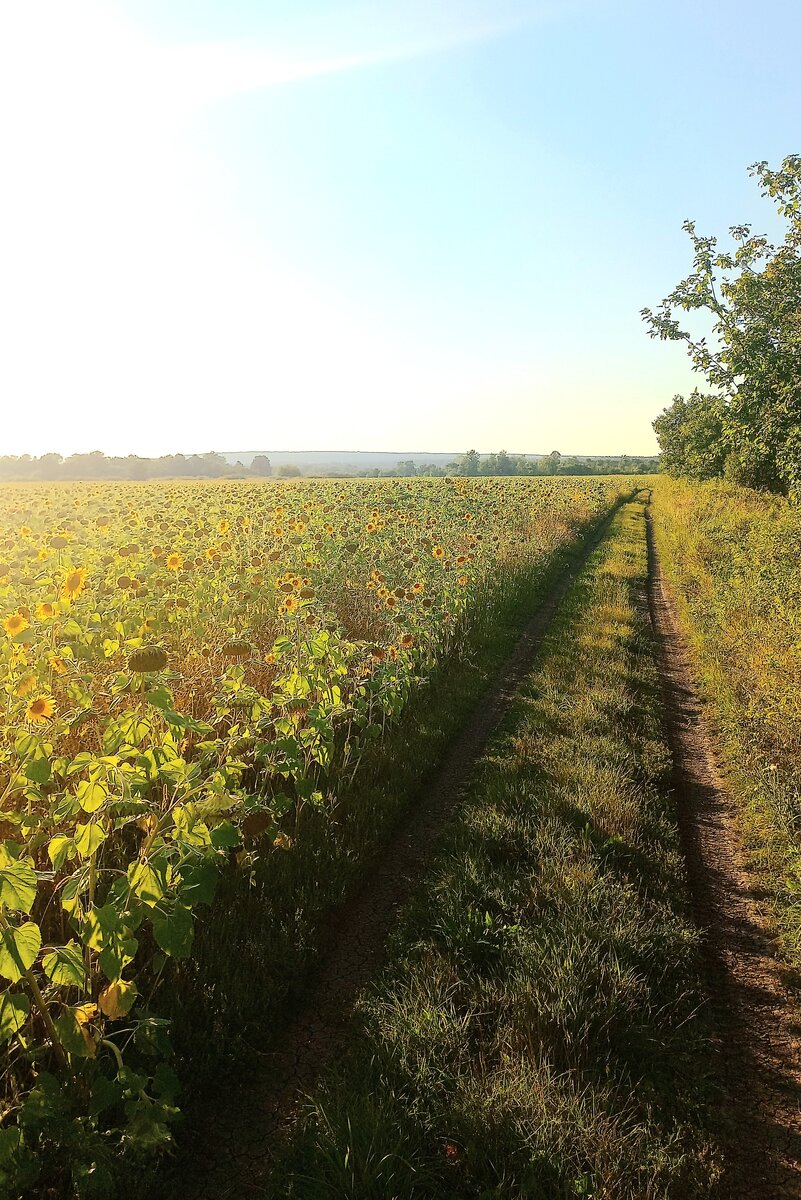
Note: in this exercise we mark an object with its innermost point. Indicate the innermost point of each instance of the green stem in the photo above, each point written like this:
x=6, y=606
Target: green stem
x=41, y=1005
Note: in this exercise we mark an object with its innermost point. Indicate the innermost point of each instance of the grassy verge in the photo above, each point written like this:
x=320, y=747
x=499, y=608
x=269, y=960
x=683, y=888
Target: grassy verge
x=537, y=1030
x=731, y=557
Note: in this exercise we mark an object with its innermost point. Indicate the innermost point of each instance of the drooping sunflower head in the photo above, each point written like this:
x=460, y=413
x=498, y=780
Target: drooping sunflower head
x=147, y=659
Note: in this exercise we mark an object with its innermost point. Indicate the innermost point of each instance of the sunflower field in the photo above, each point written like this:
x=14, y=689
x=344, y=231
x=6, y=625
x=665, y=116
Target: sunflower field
x=187, y=669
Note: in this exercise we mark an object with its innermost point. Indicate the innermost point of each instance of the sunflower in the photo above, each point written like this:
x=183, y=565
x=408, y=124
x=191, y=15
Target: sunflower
x=57, y=664
x=45, y=611
x=40, y=709
x=75, y=583
x=438, y=552
x=15, y=624
x=462, y=581
x=174, y=562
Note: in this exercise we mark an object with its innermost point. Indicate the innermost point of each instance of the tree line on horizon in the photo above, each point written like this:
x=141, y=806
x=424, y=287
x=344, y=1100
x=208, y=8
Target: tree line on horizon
x=747, y=429
x=96, y=465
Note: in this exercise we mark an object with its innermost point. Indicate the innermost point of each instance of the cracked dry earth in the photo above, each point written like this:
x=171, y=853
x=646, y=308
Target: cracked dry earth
x=757, y=1015
x=230, y=1153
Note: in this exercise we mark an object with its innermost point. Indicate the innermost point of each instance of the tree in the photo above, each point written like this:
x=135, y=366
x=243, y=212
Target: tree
x=691, y=437
x=261, y=465
x=288, y=471
x=752, y=294
x=469, y=463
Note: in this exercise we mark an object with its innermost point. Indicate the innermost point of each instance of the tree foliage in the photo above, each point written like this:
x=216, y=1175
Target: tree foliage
x=752, y=293
x=691, y=436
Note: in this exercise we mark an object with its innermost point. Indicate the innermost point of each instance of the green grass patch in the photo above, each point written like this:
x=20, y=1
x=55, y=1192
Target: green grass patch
x=731, y=557
x=539, y=1030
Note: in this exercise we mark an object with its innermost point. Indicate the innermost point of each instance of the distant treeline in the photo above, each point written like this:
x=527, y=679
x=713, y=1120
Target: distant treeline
x=214, y=466
x=473, y=463
x=97, y=465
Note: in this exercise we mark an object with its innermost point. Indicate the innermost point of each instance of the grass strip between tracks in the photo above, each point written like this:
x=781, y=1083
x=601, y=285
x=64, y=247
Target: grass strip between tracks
x=539, y=1030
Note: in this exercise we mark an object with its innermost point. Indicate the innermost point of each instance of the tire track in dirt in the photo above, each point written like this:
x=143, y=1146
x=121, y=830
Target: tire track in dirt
x=757, y=1015
x=229, y=1155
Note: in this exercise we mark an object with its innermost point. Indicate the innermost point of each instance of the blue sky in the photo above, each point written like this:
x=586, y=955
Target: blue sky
x=331, y=225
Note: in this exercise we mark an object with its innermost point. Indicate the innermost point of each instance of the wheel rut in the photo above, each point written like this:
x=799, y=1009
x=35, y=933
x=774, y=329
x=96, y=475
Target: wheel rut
x=757, y=1014
x=230, y=1152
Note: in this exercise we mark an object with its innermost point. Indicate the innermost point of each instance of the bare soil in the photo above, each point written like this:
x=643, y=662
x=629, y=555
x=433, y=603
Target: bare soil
x=756, y=1008
x=229, y=1155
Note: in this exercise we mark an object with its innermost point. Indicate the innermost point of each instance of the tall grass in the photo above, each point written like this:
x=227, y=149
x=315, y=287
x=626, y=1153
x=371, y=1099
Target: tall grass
x=733, y=561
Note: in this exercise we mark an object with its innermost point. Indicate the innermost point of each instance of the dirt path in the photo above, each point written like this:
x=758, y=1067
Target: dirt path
x=758, y=1017
x=229, y=1155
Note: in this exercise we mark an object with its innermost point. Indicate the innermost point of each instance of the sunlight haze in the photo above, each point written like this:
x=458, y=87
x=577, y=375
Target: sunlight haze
x=329, y=225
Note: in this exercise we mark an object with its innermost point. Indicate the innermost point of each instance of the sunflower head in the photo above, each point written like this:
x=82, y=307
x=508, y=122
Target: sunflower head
x=237, y=649
x=147, y=659
x=40, y=709
x=74, y=583
x=15, y=624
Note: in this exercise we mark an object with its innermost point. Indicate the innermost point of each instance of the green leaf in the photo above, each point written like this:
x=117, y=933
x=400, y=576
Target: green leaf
x=198, y=881
x=37, y=769
x=64, y=965
x=106, y=932
x=10, y=1144
x=159, y=697
x=90, y=795
x=14, y=1010
x=60, y=849
x=188, y=826
x=17, y=883
x=19, y=947
x=224, y=836
x=174, y=932
x=26, y=744
x=105, y=1093
x=150, y=881
x=88, y=837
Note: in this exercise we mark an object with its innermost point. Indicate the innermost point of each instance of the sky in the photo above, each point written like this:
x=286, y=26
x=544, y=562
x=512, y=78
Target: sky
x=389, y=225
